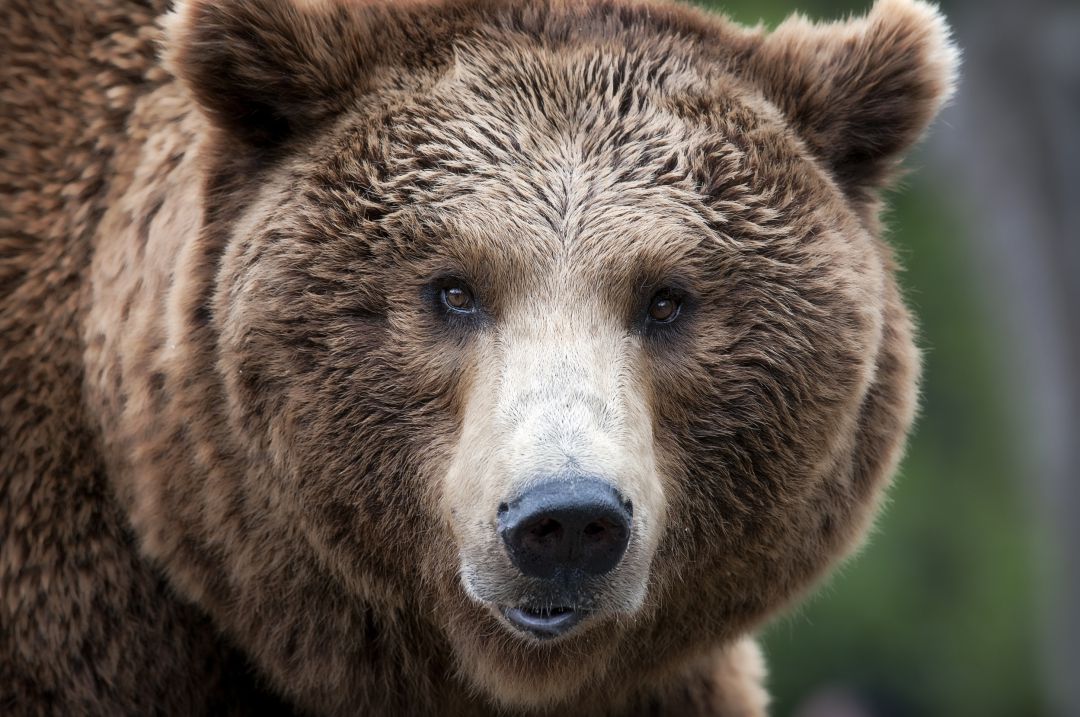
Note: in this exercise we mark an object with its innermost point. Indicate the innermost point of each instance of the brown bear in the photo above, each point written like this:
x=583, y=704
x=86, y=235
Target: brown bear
x=461, y=357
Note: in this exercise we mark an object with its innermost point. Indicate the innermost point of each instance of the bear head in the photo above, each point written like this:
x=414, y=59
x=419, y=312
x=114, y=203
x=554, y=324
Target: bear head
x=556, y=336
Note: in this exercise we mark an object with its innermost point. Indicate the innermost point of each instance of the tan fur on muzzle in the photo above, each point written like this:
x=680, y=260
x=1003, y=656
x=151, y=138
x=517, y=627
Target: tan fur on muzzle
x=559, y=395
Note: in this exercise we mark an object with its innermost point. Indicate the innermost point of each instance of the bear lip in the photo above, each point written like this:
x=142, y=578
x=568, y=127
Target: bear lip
x=544, y=624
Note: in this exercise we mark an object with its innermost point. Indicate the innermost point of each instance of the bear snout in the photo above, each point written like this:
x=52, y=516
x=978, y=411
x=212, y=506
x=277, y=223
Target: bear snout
x=566, y=529
x=563, y=532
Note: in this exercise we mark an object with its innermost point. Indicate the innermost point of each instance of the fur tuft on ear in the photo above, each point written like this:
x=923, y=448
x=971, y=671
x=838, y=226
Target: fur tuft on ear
x=862, y=91
x=265, y=70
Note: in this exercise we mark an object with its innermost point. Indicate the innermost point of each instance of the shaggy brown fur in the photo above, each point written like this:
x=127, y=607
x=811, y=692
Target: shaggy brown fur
x=246, y=459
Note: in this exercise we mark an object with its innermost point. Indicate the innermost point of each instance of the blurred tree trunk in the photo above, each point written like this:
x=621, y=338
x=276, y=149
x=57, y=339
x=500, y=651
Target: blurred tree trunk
x=1012, y=142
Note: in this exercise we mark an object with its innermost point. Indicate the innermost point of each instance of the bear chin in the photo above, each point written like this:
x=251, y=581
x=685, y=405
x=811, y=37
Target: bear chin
x=517, y=672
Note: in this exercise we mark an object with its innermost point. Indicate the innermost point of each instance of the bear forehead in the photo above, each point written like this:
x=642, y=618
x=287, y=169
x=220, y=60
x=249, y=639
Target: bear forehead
x=605, y=156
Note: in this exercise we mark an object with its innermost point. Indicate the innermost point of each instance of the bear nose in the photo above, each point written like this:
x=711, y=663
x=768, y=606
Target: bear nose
x=566, y=525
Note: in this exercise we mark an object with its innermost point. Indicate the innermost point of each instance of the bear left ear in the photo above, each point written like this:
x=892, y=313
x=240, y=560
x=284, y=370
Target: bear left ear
x=862, y=91
x=267, y=70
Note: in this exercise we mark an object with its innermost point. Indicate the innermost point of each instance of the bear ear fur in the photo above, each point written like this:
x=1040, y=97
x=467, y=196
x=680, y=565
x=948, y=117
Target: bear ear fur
x=266, y=70
x=860, y=92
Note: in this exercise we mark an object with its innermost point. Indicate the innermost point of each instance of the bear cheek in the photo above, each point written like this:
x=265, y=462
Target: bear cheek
x=331, y=402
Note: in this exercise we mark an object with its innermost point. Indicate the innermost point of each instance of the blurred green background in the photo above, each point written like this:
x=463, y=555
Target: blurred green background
x=943, y=612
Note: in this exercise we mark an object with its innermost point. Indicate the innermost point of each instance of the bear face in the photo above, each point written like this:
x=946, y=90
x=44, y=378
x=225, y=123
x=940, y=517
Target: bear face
x=458, y=265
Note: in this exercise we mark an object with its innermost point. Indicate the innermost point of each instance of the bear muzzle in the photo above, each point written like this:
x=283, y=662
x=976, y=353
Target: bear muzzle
x=566, y=529
x=563, y=532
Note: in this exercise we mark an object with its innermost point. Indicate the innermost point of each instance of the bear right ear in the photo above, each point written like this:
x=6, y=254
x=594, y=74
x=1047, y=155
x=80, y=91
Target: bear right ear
x=266, y=70
x=861, y=91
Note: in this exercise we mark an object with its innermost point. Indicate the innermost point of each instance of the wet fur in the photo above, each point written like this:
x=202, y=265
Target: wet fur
x=228, y=411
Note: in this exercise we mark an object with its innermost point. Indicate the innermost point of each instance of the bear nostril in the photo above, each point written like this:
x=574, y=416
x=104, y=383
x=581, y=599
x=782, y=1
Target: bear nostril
x=545, y=529
x=568, y=527
x=595, y=531
x=545, y=533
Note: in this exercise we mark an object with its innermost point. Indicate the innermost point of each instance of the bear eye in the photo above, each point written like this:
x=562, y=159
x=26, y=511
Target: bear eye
x=458, y=298
x=663, y=307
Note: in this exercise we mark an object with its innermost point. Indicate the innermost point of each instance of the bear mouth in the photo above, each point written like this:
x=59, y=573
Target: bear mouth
x=544, y=623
